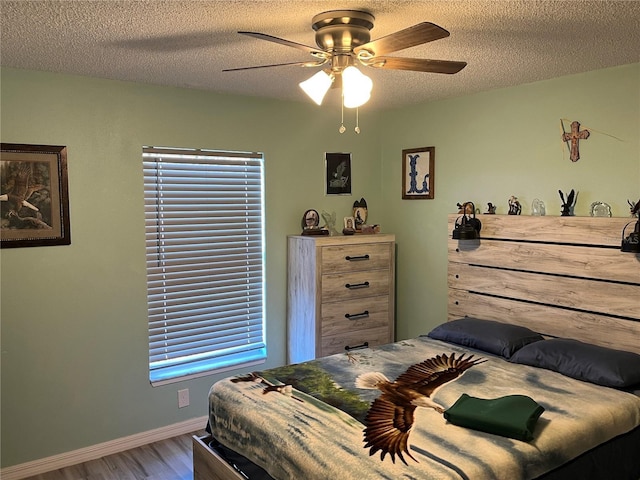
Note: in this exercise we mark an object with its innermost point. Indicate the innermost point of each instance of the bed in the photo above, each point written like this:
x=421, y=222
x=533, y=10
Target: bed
x=546, y=308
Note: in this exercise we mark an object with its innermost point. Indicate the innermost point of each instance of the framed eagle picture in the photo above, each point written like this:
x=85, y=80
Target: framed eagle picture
x=337, y=173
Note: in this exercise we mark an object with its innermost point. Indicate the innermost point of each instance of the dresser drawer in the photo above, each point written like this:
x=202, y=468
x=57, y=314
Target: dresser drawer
x=348, y=258
x=344, y=317
x=348, y=286
x=372, y=337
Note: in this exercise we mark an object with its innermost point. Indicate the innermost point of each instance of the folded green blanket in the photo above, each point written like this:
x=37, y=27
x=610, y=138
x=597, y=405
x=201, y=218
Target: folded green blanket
x=513, y=416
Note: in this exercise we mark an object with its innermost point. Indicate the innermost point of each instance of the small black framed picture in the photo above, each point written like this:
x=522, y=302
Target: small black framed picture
x=337, y=173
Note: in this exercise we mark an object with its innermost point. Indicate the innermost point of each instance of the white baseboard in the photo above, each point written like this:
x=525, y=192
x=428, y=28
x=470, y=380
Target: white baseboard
x=43, y=465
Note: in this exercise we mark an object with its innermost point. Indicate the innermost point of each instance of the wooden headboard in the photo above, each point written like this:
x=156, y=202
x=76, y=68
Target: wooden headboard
x=560, y=276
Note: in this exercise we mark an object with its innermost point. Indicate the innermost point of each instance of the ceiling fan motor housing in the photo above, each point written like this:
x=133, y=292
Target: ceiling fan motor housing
x=340, y=31
x=344, y=40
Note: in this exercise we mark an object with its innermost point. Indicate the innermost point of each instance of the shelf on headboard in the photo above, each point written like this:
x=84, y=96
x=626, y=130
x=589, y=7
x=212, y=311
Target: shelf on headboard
x=560, y=276
x=567, y=230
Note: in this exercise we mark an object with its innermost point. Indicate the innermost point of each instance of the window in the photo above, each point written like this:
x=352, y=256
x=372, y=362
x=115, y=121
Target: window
x=205, y=261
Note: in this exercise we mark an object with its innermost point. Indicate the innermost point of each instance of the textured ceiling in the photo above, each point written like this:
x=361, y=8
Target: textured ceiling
x=188, y=43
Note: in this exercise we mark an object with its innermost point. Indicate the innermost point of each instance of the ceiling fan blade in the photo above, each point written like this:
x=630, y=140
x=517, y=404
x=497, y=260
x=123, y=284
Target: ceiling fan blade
x=300, y=64
x=409, y=37
x=416, y=64
x=288, y=43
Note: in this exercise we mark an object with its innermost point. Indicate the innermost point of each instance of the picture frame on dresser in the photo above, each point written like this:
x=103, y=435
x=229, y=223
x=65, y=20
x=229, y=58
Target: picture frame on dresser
x=418, y=173
x=349, y=223
x=34, y=200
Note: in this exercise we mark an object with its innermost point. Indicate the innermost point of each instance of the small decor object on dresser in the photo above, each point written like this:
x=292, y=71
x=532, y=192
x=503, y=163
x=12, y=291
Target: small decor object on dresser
x=349, y=226
x=310, y=224
x=418, y=173
x=370, y=229
x=330, y=222
x=568, y=204
x=310, y=219
x=360, y=213
x=514, y=206
x=491, y=209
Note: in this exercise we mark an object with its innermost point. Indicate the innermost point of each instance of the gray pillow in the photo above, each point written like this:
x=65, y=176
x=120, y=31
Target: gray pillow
x=487, y=335
x=583, y=361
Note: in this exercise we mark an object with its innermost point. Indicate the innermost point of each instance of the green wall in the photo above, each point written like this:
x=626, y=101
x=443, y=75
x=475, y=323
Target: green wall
x=499, y=143
x=74, y=333
x=74, y=327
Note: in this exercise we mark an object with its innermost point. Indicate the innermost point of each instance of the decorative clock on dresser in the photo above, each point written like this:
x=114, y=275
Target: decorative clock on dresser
x=340, y=294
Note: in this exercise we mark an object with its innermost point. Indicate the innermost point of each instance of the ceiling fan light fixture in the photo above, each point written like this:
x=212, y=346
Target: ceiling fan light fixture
x=317, y=86
x=356, y=87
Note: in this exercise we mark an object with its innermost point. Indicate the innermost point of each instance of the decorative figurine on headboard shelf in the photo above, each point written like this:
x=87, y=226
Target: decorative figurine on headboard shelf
x=491, y=209
x=567, y=206
x=466, y=208
x=633, y=208
x=538, y=208
x=360, y=213
x=514, y=206
x=310, y=224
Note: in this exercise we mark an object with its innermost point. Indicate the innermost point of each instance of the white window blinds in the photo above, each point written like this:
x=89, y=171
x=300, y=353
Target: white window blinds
x=205, y=260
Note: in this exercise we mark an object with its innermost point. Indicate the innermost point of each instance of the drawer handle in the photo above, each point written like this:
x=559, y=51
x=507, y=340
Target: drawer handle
x=356, y=316
x=364, y=345
x=355, y=259
x=356, y=285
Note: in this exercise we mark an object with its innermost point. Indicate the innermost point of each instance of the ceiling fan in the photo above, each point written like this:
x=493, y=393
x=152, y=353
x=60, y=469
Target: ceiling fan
x=344, y=41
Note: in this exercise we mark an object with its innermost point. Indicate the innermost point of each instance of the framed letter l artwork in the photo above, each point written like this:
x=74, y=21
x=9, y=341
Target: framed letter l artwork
x=418, y=173
x=34, y=202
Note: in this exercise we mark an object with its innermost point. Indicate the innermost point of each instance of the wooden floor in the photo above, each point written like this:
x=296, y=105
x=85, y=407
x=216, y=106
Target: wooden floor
x=165, y=460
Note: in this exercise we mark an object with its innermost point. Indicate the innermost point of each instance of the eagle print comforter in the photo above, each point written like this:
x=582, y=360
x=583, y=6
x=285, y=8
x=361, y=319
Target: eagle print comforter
x=309, y=420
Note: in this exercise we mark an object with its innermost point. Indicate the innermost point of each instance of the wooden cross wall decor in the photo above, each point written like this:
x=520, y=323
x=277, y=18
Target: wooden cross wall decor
x=574, y=137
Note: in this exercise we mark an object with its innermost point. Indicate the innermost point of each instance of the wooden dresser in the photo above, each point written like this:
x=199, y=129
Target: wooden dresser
x=340, y=294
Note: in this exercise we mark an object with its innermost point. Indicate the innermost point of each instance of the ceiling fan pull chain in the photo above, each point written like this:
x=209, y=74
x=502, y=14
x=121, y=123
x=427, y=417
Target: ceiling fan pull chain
x=342, y=128
x=357, y=129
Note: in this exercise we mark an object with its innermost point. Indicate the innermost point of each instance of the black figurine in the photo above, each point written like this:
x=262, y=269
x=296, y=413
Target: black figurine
x=567, y=206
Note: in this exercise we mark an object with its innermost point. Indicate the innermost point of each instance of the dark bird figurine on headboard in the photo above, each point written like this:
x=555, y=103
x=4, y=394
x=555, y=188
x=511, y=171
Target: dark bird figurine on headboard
x=390, y=417
x=567, y=206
